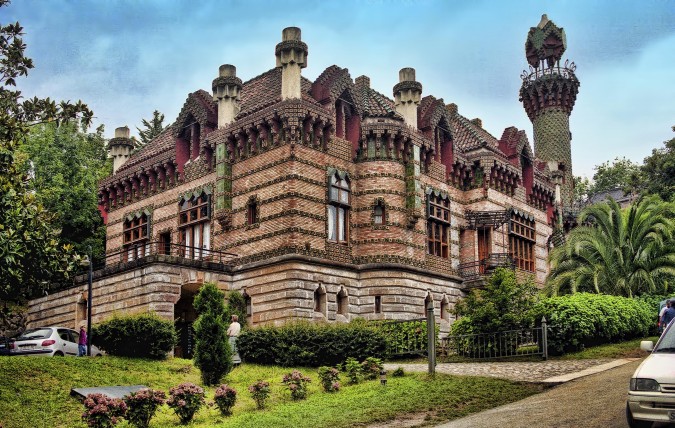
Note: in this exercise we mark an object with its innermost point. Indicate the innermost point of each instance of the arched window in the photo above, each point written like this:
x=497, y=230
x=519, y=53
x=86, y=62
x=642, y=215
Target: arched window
x=445, y=308
x=378, y=304
x=136, y=232
x=342, y=302
x=248, y=304
x=428, y=302
x=338, y=208
x=195, y=226
x=320, y=300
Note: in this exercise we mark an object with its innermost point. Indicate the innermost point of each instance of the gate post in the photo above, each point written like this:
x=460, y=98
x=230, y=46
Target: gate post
x=431, y=338
x=544, y=337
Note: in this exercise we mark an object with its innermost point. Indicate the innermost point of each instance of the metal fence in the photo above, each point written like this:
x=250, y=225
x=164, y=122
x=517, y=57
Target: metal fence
x=503, y=344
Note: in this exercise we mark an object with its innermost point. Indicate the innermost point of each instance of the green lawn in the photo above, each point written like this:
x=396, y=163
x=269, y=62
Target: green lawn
x=34, y=392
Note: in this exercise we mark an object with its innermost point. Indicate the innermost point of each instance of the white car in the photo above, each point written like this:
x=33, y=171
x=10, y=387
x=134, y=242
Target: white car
x=48, y=341
x=651, y=395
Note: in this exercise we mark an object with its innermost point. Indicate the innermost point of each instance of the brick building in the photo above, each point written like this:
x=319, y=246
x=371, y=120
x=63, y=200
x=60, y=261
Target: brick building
x=329, y=200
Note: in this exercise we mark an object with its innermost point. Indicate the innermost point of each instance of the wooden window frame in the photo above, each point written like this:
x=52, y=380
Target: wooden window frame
x=438, y=226
x=522, y=239
x=379, y=216
x=338, y=207
x=194, y=213
x=136, y=236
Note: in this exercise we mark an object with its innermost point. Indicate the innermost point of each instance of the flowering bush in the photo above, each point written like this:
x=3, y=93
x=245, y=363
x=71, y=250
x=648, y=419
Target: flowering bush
x=398, y=372
x=260, y=391
x=225, y=398
x=352, y=369
x=142, y=405
x=297, y=384
x=103, y=411
x=185, y=399
x=329, y=378
x=371, y=368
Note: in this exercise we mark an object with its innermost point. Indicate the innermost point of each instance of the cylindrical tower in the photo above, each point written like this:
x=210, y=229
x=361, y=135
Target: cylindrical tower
x=548, y=94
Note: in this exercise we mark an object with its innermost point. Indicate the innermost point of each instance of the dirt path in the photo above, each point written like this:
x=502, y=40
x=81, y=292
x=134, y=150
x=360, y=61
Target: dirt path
x=596, y=401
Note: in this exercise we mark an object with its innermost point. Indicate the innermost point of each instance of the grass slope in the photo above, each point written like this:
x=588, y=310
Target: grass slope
x=34, y=392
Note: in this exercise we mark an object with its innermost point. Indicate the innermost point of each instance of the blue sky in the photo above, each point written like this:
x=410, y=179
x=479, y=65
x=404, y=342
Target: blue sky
x=128, y=58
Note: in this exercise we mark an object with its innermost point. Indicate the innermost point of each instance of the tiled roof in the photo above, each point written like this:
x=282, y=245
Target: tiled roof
x=264, y=90
x=430, y=112
x=469, y=136
x=163, y=144
x=374, y=104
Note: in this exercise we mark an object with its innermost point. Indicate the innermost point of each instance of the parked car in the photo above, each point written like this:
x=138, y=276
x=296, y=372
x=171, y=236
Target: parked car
x=651, y=394
x=49, y=341
x=5, y=345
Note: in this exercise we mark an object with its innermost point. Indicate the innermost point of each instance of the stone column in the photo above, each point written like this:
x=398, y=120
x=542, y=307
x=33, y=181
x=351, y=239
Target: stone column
x=226, y=92
x=407, y=96
x=291, y=56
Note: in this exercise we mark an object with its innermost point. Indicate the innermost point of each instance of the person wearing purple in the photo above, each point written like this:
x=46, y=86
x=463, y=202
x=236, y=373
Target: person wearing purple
x=82, y=343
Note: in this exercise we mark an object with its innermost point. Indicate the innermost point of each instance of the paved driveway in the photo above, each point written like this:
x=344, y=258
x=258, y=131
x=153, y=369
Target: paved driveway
x=595, y=401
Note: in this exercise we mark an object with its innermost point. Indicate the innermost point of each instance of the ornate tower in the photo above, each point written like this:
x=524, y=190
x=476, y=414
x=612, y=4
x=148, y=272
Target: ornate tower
x=548, y=94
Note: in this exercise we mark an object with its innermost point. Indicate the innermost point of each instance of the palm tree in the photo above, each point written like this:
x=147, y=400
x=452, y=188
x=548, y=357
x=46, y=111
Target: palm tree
x=621, y=252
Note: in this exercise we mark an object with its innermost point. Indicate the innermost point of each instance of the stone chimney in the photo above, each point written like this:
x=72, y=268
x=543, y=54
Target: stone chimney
x=226, y=89
x=291, y=56
x=120, y=147
x=478, y=122
x=407, y=95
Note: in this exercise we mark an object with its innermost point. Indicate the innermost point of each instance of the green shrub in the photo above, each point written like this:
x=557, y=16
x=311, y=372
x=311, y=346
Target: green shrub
x=297, y=384
x=581, y=320
x=329, y=377
x=352, y=368
x=137, y=336
x=185, y=400
x=225, y=397
x=142, y=405
x=308, y=344
x=213, y=354
x=404, y=337
x=371, y=368
x=260, y=391
x=398, y=372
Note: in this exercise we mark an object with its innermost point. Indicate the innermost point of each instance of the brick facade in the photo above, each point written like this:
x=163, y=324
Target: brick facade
x=266, y=174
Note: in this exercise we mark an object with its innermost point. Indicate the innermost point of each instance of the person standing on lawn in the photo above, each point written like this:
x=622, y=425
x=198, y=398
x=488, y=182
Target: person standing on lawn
x=232, y=334
x=82, y=342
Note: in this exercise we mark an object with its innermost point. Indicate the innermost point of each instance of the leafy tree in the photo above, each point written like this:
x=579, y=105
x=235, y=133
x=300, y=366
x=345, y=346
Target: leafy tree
x=620, y=252
x=213, y=354
x=503, y=304
x=30, y=254
x=236, y=305
x=65, y=165
x=582, y=190
x=151, y=128
x=659, y=171
x=621, y=174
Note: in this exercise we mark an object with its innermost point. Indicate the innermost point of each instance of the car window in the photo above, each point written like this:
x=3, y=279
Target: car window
x=35, y=333
x=667, y=341
x=75, y=335
x=63, y=334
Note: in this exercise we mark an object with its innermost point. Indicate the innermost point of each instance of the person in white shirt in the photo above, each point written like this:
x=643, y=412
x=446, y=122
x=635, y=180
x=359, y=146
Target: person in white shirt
x=232, y=333
x=663, y=311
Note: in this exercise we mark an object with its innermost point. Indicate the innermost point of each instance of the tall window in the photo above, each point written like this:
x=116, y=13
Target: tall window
x=378, y=304
x=342, y=302
x=338, y=209
x=136, y=233
x=521, y=241
x=195, y=227
x=320, y=300
x=252, y=212
x=438, y=223
x=378, y=213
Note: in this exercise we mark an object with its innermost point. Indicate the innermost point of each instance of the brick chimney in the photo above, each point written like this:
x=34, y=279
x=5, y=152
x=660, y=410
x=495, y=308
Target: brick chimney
x=226, y=89
x=120, y=147
x=291, y=56
x=407, y=95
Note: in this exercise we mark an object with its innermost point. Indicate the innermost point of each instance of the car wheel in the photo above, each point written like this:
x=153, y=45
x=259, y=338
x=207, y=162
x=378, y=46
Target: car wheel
x=58, y=354
x=635, y=423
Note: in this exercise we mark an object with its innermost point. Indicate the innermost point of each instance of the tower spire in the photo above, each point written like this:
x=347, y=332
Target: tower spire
x=548, y=94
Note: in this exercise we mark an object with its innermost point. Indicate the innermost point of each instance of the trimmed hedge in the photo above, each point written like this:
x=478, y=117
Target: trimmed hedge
x=137, y=336
x=581, y=320
x=308, y=344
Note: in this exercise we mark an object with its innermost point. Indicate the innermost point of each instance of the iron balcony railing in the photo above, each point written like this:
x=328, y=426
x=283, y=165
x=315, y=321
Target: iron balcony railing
x=479, y=268
x=152, y=248
x=567, y=71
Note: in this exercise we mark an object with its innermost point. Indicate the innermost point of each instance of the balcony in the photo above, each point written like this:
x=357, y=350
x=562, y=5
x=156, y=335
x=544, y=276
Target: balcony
x=475, y=272
x=165, y=252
